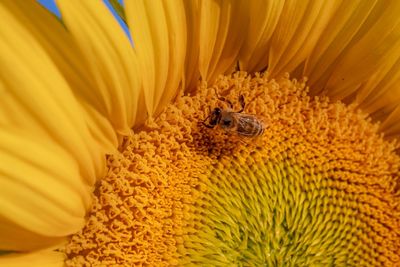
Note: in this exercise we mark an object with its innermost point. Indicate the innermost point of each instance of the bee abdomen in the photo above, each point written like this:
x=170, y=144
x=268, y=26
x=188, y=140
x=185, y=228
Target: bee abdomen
x=251, y=128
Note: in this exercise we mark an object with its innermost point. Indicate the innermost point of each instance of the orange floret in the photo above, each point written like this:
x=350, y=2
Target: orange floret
x=319, y=187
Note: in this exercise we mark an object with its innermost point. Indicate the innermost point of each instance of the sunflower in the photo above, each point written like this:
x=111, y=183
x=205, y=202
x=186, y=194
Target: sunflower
x=121, y=153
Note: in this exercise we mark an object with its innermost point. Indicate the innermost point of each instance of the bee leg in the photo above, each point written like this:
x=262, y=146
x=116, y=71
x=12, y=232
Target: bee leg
x=204, y=121
x=221, y=98
x=242, y=103
x=229, y=103
x=208, y=125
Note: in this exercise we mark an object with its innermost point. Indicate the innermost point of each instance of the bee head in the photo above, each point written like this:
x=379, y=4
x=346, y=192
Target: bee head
x=215, y=116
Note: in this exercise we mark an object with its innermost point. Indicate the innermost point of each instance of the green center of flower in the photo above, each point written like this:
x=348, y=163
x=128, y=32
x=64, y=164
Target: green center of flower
x=318, y=187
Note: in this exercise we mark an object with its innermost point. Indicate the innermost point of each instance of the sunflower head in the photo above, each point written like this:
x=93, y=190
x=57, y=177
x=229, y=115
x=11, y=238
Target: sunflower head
x=203, y=143
x=305, y=192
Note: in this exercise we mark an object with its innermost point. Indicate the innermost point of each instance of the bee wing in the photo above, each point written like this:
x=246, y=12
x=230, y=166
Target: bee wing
x=248, y=125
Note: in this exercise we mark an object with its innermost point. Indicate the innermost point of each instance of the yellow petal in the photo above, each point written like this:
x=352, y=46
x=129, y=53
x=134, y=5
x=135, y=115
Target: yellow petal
x=43, y=258
x=17, y=238
x=262, y=23
x=341, y=29
x=159, y=35
x=40, y=189
x=380, y=94
x=222, y=24
x=58, y=44
x=301, y=24
x=209, y=19
x=110, y=58
x=37, y=99
x=101, y=129
x=49, y=161
x=348, y=49
x=282, y=34
x=358, y=42
x=43, y=197
x=192, y=73
x=358, y=58
x=174, y=15
x=391, y=125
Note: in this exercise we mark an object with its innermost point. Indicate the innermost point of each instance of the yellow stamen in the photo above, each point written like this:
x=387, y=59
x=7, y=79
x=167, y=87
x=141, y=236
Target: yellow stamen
x=319, y=187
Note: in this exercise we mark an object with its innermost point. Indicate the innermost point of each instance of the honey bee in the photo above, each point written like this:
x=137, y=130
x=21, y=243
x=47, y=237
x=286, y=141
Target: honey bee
x=235, y=121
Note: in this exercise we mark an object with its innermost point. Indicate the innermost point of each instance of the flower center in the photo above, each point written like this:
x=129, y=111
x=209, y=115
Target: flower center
x=290, y=181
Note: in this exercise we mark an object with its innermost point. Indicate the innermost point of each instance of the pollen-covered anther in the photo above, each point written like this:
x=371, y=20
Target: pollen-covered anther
x=318, y=187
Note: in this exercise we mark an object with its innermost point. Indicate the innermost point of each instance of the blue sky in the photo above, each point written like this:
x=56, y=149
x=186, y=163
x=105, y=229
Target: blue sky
x=50, y=5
